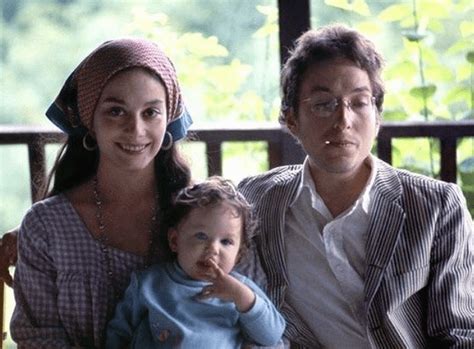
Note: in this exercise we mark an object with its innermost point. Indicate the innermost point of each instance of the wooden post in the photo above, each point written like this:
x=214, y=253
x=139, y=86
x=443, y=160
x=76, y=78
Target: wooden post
x=293, y=20
x=2, y=312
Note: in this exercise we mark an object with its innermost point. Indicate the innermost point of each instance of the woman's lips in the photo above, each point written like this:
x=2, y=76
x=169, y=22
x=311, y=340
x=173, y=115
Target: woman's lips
x=132, y=148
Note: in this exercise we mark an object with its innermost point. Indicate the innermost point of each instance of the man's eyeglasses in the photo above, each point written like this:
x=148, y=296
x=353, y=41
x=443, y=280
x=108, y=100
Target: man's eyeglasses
x=326, y=106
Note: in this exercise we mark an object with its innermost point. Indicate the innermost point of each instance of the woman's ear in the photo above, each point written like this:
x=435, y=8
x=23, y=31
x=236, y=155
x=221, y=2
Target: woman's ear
x=173, y=239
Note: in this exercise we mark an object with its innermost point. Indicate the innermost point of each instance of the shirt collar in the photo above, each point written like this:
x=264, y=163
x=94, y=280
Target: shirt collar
x=307, y=183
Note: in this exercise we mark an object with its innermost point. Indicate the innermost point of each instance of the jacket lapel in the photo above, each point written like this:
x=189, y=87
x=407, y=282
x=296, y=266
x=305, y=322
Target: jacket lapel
x=273, y=223
x=386, y=223
x=273, y=248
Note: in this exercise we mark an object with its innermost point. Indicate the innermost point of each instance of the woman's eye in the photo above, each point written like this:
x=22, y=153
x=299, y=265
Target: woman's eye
x=152, y=113
x=201, y=236
x=116, y=111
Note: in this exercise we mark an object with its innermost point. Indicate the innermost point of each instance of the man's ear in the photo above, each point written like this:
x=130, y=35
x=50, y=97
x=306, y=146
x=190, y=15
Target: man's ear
x=378, y=121
x=291, y=121
x=173, y=239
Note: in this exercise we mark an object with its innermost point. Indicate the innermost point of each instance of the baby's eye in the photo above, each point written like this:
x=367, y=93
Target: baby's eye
x=200, y=235
x=227, y=242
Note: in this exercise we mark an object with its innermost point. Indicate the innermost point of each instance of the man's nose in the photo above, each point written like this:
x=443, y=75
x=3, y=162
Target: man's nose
x=343, y=114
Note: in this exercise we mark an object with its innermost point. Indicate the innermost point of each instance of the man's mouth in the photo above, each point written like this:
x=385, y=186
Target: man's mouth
x=339, y=143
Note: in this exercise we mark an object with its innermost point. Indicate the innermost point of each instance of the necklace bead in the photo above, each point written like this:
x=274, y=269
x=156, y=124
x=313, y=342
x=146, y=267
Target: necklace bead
x=103, y=238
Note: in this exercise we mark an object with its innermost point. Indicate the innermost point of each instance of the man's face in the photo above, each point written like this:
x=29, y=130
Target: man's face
x=333, y=121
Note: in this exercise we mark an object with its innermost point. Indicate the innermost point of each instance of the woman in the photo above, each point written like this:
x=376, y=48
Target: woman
x=122, y=110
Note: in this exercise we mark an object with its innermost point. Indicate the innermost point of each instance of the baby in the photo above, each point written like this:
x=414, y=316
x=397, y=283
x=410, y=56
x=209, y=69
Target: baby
x=197, y=300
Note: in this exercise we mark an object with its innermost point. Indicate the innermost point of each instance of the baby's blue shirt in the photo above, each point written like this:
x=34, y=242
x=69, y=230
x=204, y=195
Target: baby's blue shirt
x=160, y=309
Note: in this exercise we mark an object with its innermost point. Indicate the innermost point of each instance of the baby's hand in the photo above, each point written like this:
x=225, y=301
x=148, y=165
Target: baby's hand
x=227, y=288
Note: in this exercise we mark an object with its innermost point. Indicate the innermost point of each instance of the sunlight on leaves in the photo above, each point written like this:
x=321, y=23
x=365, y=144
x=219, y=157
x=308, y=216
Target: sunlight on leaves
x=395, y=13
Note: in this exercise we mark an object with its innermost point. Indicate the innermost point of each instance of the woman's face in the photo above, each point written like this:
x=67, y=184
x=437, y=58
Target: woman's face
x=130, y=120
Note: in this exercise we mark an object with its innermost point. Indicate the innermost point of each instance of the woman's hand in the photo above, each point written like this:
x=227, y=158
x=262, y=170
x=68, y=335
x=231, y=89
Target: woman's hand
x=8, y=255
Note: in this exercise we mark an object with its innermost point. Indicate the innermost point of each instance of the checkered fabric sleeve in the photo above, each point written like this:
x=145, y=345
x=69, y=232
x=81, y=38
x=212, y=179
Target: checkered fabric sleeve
x=61, y=290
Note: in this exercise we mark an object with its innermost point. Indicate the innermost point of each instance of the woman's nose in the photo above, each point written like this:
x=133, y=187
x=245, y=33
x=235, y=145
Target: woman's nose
x=135, y=124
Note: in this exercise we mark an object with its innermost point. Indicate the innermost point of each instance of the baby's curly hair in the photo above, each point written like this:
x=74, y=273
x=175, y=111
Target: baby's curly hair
x=213, y=191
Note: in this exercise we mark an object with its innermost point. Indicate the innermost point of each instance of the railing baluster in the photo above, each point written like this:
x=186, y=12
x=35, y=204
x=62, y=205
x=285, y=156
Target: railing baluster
x=37, y=161
x=384, y=149
x=214, y=158
x=448, y=171
x=2, y=312
x=274, y=154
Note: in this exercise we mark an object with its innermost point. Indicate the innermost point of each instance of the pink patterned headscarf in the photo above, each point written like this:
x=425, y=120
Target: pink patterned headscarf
x=73, y=109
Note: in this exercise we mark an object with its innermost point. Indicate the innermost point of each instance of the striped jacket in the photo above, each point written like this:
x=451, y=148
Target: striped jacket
x=419, y=287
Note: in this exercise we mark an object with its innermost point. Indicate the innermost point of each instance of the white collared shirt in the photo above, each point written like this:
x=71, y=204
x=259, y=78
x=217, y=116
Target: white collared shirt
x=326, y=263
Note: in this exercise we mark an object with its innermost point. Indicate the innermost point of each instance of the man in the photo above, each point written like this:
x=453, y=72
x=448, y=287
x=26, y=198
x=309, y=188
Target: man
x=356, y=253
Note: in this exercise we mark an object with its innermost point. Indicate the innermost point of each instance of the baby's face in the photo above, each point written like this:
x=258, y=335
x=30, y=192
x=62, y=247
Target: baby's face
x=207, y=233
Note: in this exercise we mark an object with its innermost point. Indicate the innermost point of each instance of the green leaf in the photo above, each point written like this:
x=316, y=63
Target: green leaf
x=395, y=13
x=457, y=94
x=439, y=73
x=266, y=30
x=470, y=57
x=361, y=7
x=370, y=27
x=414, y=36
x=423, y=91
x=269, y=11
x=402, y=69
x=357, y=6
x=342, y=4
x=463, y=72
x=394, y=115
x=466, y=28
x=460, y=46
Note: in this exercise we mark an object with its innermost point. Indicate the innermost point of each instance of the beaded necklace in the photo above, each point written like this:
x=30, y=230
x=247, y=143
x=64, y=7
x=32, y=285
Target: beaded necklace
x=103, y=239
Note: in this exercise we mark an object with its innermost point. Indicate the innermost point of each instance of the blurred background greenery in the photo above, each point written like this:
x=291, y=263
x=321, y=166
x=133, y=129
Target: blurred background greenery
x=227, y=58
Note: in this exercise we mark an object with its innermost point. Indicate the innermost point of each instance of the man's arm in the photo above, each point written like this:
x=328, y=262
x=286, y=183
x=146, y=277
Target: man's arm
x=451, y=287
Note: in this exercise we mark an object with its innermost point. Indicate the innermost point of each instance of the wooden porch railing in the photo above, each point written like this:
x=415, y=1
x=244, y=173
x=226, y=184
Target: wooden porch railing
x=282, y=148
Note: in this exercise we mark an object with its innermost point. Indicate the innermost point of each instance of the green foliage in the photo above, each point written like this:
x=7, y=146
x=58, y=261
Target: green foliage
x=429, y=69
x=43, y=41
x=226, y=55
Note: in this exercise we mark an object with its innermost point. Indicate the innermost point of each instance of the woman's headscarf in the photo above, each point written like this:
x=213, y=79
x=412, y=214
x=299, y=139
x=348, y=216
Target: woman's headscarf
x=73, y=109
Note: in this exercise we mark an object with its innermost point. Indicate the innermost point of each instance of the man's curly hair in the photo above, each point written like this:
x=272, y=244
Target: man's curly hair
x=215, y=190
